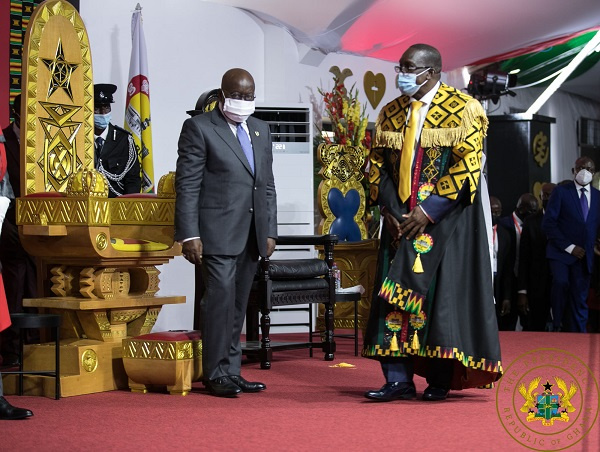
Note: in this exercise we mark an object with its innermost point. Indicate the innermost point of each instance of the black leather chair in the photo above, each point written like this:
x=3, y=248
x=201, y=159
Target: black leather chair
x=288, y=282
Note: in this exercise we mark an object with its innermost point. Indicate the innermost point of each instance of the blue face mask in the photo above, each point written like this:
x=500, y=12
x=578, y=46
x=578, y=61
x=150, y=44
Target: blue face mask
x=407, y=83
x=101, y=121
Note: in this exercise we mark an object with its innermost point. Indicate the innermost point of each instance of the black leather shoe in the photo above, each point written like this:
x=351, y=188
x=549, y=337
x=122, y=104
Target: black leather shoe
x=9, y=412
x=434, y=394
x=393, y=391
x=247, y=386
x=222, y=387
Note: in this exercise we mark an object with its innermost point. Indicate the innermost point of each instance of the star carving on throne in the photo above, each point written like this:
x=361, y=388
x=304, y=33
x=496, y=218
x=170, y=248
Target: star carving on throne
x=61, y=71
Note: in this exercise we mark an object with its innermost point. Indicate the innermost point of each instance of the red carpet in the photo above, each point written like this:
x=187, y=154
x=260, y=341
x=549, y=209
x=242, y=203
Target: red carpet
x=307, y=406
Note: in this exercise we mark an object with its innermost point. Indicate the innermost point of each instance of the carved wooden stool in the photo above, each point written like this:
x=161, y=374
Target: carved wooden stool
x=171, y=358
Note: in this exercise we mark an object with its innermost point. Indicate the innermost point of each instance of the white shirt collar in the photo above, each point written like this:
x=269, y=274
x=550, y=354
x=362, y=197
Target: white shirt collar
x=428, y=97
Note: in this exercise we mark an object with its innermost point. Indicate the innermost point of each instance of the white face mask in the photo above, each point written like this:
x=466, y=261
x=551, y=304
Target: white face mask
x=583, y=177
x=238, y=110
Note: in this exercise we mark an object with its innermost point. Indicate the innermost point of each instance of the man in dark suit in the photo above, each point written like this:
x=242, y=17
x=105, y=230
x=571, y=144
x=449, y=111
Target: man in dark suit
x=18, y=267
x=526, y=206
x=503, y=263
x=225, y=217
x=534, y=279
x=571, y=223
x=115, y=154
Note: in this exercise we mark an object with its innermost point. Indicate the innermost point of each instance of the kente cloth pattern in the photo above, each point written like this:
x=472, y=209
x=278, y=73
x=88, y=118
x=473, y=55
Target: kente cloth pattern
x=454, y=119
x=446, y=311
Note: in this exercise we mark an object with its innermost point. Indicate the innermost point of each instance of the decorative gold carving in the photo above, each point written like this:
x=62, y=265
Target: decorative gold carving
x=540, y=148
x=162, y=350
x=131, y=211
x=341, y=162
x=65, y=211
x=61, y=71
x=62, y=281
x=87, y=183
x=59, y=159
x=89, y=360
x=153, y=280
x=341, y=170
x=150, y=320
x=125, y=315
x=110, y=282
x=166, y=185
x=60, y=66
x=101, y=241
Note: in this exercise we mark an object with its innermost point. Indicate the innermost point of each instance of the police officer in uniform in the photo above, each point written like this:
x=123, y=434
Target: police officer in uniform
x=115, y=154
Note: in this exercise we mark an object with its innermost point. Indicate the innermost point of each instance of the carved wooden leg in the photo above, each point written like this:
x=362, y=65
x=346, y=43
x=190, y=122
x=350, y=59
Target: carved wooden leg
x=329, y=344
x=266, y=354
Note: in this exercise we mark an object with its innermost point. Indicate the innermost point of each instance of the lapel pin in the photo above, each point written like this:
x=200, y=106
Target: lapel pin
x=256, y=133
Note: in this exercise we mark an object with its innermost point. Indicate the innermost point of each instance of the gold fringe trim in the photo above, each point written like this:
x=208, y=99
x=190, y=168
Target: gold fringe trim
x=472, y=112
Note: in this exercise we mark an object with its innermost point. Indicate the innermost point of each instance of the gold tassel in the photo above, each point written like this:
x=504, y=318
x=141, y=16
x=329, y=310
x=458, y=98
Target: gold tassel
x=418, y=266
x=394, y=345
x=415, y=345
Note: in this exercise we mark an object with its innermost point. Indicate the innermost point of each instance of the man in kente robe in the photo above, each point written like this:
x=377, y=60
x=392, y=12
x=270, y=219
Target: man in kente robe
x=434, y=312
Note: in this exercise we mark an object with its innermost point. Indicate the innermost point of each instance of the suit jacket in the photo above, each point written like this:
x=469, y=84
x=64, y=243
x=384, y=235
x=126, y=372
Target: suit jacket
x=504, y=280
x=534, y=271
x=564, y=224
x=217, y=196
x=114, y=156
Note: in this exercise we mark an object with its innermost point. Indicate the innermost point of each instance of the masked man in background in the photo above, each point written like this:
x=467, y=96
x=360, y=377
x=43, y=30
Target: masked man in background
x=571, y=225
x=115, y=154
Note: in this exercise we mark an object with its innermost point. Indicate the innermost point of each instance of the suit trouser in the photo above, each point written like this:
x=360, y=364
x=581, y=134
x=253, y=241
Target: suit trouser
x=439, y=371
x=227, y=280
x=19, y=271
x=570, y=288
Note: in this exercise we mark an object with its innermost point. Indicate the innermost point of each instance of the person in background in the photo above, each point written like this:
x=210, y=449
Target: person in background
x=115, y=155
x=534, y=279
x=19, y=268
x=571, y=226
x=225, y=167
x=503, y=263
x=7, y=411
x=527, y=205
x=433, y=313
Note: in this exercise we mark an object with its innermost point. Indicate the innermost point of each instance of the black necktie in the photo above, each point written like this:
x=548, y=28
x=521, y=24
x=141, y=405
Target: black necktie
x=99, y=143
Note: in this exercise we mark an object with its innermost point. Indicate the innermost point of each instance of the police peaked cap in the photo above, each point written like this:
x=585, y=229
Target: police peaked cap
x=103, y=93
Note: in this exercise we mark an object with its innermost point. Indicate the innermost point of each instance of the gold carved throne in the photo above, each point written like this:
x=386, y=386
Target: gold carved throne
x=97, y=257
x=342, y=204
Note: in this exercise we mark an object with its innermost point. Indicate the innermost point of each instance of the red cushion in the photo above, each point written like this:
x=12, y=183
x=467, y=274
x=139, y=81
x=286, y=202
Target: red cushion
x=138, y=195
x=171, y=336
x=47, y=194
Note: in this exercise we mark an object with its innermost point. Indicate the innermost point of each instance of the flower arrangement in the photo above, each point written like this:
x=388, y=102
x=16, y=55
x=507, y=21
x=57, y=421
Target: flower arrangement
x=348, y=119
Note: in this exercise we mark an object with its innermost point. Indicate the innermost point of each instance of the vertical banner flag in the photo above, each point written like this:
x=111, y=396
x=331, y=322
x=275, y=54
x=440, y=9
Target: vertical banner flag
x=137, y=105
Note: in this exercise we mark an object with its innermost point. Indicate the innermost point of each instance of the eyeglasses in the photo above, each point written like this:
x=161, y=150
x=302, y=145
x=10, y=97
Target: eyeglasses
x=409, y=69
x=239, y=96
